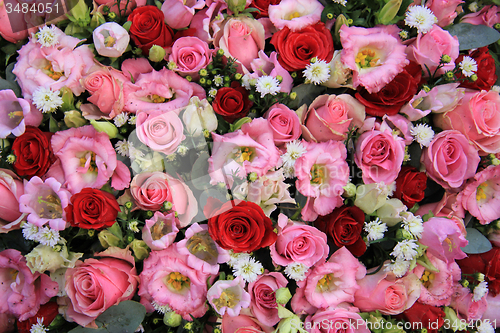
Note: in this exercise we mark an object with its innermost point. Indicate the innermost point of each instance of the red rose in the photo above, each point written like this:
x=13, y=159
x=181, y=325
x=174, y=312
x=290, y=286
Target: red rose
x=344, y=226
x=430, y=317
x=232, y=102
x=391, y=98
x=48, y=312
x=33, y=153
x=486, y=70
x=148, y=28
x=410, y=186
x=297, y=48
x=241, y=227
x=92, y=209
x=487, y=263
x=263, y=7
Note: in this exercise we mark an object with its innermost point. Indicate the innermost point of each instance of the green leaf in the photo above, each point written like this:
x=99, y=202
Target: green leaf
x=199, y=174
x=478, y=243
x=473, y=36
x=306, y=93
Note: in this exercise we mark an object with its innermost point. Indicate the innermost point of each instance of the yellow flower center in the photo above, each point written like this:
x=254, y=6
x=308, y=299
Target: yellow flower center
x=157, y=99
x=50, y=207
x=160, y=229
x=177, y=281
x=480, y=194
x=49, y=70
x=18, y=114
x=324, y=283
x=227, y=299
x=450, y=243
x=317, y=174
x=427, y=278
x=13, y=274
x=367, y=58
x=109, y=41
x=244, y=154
x=93, y=165
x=293, y=15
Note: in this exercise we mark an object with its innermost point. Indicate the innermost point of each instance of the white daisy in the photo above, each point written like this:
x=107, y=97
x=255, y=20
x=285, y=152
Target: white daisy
x=212, y=92
x=248, y=268
x=405, y=250
x=132, y=120
x=391, y=188
x=46, y=100
x=480, y=291
x=294, y=150
x=398, y=267
x=485, y=327
x=421, y=18
x=342, y=2
x=38, y=327
x=48, y=237
x=161, y=308
x=133, y=226
x=246, y=81
x=30, y=231
x=296, y=271
x=317, y=72
x=413, y=224
x=423, y=134
x=47, y=36
x=218, y=80
x=468, y=66
x=182, y=150
x=121, y=119
x=375, y=229
x=267, y=85
x=473, y=7
x=122, y=147
x=236, y=257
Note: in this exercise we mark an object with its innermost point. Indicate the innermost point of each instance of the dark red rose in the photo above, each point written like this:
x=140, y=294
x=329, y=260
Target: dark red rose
x=232, y=102
x=486, y=70
x=410, y=186
x=430, y=317
x=262, y=6
x=391, y=98
x=241, y=226
x=344, y=225
x=33, y=153
x=48, y=312
x=92, y=209
x=148, y=28
x=487, y=263
x=297, y=48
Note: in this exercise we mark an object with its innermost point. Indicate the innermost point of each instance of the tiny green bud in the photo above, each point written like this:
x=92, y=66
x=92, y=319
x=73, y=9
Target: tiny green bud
x=203, y=80
x=156, y=321
x=167, y=205
x=497, y=26
x=149, y=214
x=91, y=232
x=189, y=78
x=480, y=277
x=445, y=59
x=203, y=72
x=123, y=130
x=210, y=67
x=473, y=77
x=238, y=76
x=188, y=326
x=157, y=53
x=252, y=176
x=449, y=75
x=283, y=295
x=424, y=330
x=251, y=97
x=329, y=16
x=465, y=283
x=293, y=95
x=130, y=238
x=349, y=21
x=206, y=133
x=128, y=204
x=293, y=75
x=220, y=52
x=279, y=78
x=111, y=15
x=209, y=82
x=172, y=319
x=176, y=214
x=426, y=88
x=227, y=78
x=217, y=330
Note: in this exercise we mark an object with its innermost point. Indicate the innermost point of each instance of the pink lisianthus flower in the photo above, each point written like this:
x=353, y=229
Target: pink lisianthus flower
x=444, y=239
x=202, y=252
x=464, y=304
x=298, y=243
x=336, y=320
x=178, y=14
x=250, y=149
x=229, y=296
x=160, y=231
x=269, y=65
x=295, y=14
x=162, y=90
x=321, y=173
x=167, y=279
x=22, y=292
x=334, y=281
x=480, y=196
x=11, y=189
x=207, y=21
x=161, y=131
x=110, y=39
x=488, y=15
x=263, y=297
x=88, y=159
x=45, y=202
x=375, y=55
x=16, y=114
x=61, y=65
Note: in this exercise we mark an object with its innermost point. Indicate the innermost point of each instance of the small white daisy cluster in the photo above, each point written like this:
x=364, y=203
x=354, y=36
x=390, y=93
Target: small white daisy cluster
x=38, y=327
x=485, y=327
x=423, y=134
x=375, y=229
x=126, y=149
x=421, y=18
x=44, y=235
x=413, y=224
x=398, y=267
x=294, y=150
x=218, y=80
x=480, y=291
x=246, y=266
x=341, y=2
x=317, y=72
x=47, y=100
x=405, y=250
x=473, y=7
x=121, y=119
x=132, y=119
x=296, y=271
x=468, y=66
x=267, y=85
x=47, y=36
x=134, y=226
x=212, y=92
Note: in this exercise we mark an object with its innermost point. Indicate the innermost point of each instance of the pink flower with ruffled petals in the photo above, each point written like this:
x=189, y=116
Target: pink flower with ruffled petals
x=16, y=114
x=375, y=55
x=203, y=253
x=229, y=296
x=263, y=293
x=444, y=239
x=295, y=14
x=178, y=13
x=336, y=320
x=11, y=189
x=269, y=65
x=244, y=324
x=160, y=231
x=488, y=15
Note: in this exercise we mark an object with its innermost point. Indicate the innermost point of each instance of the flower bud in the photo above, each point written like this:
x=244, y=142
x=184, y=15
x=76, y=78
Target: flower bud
x=81, y=13
x=108, y=239
x=283, y=295
x=451, y=317
x=44, y=258
x=97, y=20
x=172, y=319
x=140, y=249
x=74, y=119
x=156, y=53
x=292, y=324
x=349, y=190
x=199, y=116
x=389, y=212
x=387, y=14
x=371, y=197
x=106, y=127
x=339, y=22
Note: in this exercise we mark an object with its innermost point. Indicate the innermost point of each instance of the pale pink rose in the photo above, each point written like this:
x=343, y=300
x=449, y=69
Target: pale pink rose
x=444, y=239
x=16, y=114
x=338, y=320
x=87, y=159
x=439, y=286
x=110, y=39
x=488, y=15
x=151, y=189
x=62, y=65
x=284, y=123
x=427, y=50
x=11, y=189
x=450, y=159
x=162, y=90
x=167, y=279
x=235, y=288
x=321, y=173
x=334, y=281
x=22, y=292
x=105, y=85
x=269, y=65
x=480, y=196
x=379, y=155
x=263, y=297
x=492, y=312
x=160, y=231
x=160, y=131
x=295, y=14
x=463, y=303
x=478, y=118
x=7, y=31
x=94, y=285
x=330, y=117
x=190, y=54
x=179, y=13
x=384, y=292
x=244, y=324
x=250, y=149
x=298, y=243
x=386, y=54
x=241, y=38
x=444, y=10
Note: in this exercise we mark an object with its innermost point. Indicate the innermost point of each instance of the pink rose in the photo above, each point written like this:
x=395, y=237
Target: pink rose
x=384, y=292
x=190, y=54
x=329, y=117
x=444, y=239
x=338, y=320
x=11, y=189
x=22, y=292
x=428, y=49
x=16, y=114
x=263, y=297
x=445, y=10
x=94, y=285
x=295, y=14
x=450, y=159
x=379, y=155
x=178, y=13
x=488, y=15
x=284, y=123
x=160, y=131
x=160, y=231
x=151, y=189
x=244, y=324
x=464, y=304
x=478, y=118
x=241, y=38
x=298, y=243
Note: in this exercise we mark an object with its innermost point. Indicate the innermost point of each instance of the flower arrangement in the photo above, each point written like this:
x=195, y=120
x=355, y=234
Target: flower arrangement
x=250, y=166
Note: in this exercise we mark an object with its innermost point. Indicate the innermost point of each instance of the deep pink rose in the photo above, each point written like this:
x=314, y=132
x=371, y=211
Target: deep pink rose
x=178, y=13
x=263, y=297
x=190, y=54
x=284, y=123
x=16, y=114
x=450, y=159
x=338, y=320
x=11, y=189
x=160, y=131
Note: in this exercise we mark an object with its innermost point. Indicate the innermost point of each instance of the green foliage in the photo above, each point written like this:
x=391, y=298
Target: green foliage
x=473, y=36
x=478, y=243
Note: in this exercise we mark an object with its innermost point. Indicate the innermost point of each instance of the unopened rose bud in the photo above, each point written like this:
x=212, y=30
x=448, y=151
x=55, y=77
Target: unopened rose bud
x=349, y=190
x=156, y=53
x=105, y=126
x=172, y=319
x=283, y=295
x=139, y=248
x=389, y=11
